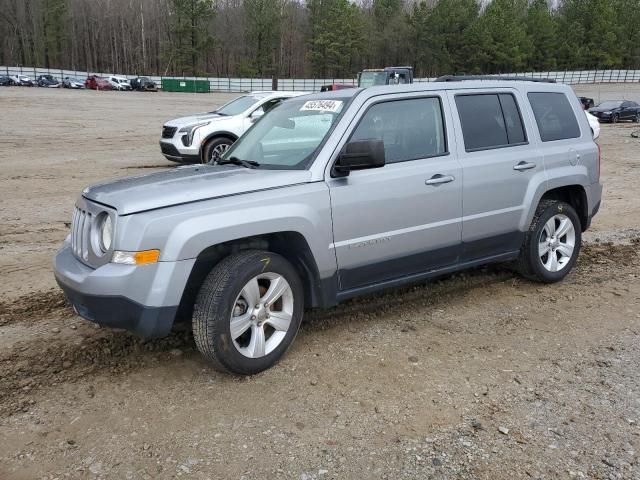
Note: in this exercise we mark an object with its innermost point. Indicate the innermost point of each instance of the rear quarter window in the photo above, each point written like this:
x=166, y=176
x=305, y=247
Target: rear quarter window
x=554, y=115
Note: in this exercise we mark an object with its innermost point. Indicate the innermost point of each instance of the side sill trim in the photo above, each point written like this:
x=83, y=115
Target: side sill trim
x=396, y=282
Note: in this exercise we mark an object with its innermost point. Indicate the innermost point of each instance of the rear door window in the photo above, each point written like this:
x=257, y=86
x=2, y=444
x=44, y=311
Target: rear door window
x=490, y=121
x=554, y=116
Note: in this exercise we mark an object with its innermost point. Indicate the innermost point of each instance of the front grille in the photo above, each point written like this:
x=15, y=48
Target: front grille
x=168, y=132
x=81, y=233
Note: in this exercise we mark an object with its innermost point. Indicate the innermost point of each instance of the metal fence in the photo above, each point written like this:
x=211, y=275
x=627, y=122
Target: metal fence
x=220, y=84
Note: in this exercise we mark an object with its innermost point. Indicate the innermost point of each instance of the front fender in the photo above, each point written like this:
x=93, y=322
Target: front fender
x=183, y=231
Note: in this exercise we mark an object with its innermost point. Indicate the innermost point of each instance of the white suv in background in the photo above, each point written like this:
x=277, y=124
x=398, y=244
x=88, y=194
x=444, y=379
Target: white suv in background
x=204, y=137
x=119, y=83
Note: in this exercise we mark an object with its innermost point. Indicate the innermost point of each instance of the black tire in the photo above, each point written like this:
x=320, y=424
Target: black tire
x=212, y=144
x=215, y=303
x=636, y=119
x=530, y=264
x=615, y=118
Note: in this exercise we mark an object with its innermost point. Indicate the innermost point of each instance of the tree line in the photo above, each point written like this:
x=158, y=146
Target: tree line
x=319, y=38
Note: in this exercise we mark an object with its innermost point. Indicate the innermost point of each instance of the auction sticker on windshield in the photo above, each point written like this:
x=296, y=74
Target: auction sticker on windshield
x=323, y=105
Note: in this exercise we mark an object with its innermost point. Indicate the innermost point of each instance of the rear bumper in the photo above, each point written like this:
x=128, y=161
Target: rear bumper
x=595, y=200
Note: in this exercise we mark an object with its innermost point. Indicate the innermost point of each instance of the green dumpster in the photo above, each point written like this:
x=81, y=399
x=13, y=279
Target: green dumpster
x=185, y=85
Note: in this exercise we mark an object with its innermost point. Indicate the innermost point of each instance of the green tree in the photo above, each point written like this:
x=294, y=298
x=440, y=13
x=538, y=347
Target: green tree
x=440, y=35
x=336, y=37
x=388, y=36
x=54, y=27
x=542, y=30
x=504, y=44
x=262, y=34
x=421, y=39
x=593, y=33
x=628, y=19
x=190, y=40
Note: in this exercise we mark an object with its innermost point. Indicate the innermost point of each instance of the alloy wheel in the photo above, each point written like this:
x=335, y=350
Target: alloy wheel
x=261, y=315
x=557, y=243
x=217, y=152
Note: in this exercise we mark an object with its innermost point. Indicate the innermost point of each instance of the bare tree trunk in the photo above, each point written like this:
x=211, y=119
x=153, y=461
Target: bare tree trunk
x=144, y=52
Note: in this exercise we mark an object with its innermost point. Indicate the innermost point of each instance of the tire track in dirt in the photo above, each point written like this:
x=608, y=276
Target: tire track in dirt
x=33, y=306
x=44, y=361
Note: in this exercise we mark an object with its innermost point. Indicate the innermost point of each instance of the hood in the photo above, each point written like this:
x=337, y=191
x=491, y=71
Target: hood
x=198, y=117
x=188, y=184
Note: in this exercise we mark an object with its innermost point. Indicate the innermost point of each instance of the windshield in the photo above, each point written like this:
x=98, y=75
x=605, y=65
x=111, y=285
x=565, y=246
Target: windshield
x=237, y=106
x=610, y=104
x=368, y=79
x=289, y=136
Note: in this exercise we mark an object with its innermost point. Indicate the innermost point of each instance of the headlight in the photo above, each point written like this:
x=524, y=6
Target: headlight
x=190, y=130
x=106, y=233
x=607, y=113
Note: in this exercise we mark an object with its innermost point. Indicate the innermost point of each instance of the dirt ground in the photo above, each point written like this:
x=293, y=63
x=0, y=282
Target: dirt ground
x=478, y=375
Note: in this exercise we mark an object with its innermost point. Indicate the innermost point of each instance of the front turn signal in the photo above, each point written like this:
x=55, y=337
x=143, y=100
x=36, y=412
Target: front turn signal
x=135, y=258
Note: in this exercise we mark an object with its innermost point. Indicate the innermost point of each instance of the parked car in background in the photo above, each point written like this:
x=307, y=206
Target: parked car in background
x=22, y=81
x=335, y=86
x=615, y=111
x=95, y=82
x=47, y=81
x=204, y=137
x=587, y=102
x=594, y=124
x=143, y=84
x=69, y=82
x=119, y=83
x=6, y=81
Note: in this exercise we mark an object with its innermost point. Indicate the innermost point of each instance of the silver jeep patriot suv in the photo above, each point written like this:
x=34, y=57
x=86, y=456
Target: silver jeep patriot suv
x=331, y=196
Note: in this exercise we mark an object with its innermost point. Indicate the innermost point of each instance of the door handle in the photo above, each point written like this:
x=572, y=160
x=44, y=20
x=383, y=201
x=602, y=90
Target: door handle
x=439, y=179
x=524, y=166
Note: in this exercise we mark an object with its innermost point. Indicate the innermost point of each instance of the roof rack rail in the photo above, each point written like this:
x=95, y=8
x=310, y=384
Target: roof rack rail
x=458, y=78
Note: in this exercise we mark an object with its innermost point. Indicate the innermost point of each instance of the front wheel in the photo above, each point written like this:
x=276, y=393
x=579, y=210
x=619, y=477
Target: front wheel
x=248, y=312
x=214, y=150
x=636, y=119
x=552, y=244
x=615, y=119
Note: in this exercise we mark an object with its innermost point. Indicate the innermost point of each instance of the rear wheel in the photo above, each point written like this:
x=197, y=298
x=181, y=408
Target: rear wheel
x=636, y=119
x=552, y=244
x=248, y=312
x=215, y=148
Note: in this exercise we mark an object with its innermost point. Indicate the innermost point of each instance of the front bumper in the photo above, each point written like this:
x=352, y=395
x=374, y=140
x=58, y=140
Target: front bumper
x=142, y=299
x=171, y=152
x=603, y=117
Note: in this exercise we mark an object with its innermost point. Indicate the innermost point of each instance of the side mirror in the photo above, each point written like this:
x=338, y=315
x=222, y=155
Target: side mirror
x=360, y=155
x=256, y=114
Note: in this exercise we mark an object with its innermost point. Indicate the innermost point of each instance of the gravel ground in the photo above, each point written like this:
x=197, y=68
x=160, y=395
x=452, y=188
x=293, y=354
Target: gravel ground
x=477, y=375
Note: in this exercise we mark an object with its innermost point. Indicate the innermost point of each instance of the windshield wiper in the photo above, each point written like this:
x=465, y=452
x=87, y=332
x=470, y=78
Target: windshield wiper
x=239, y=162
